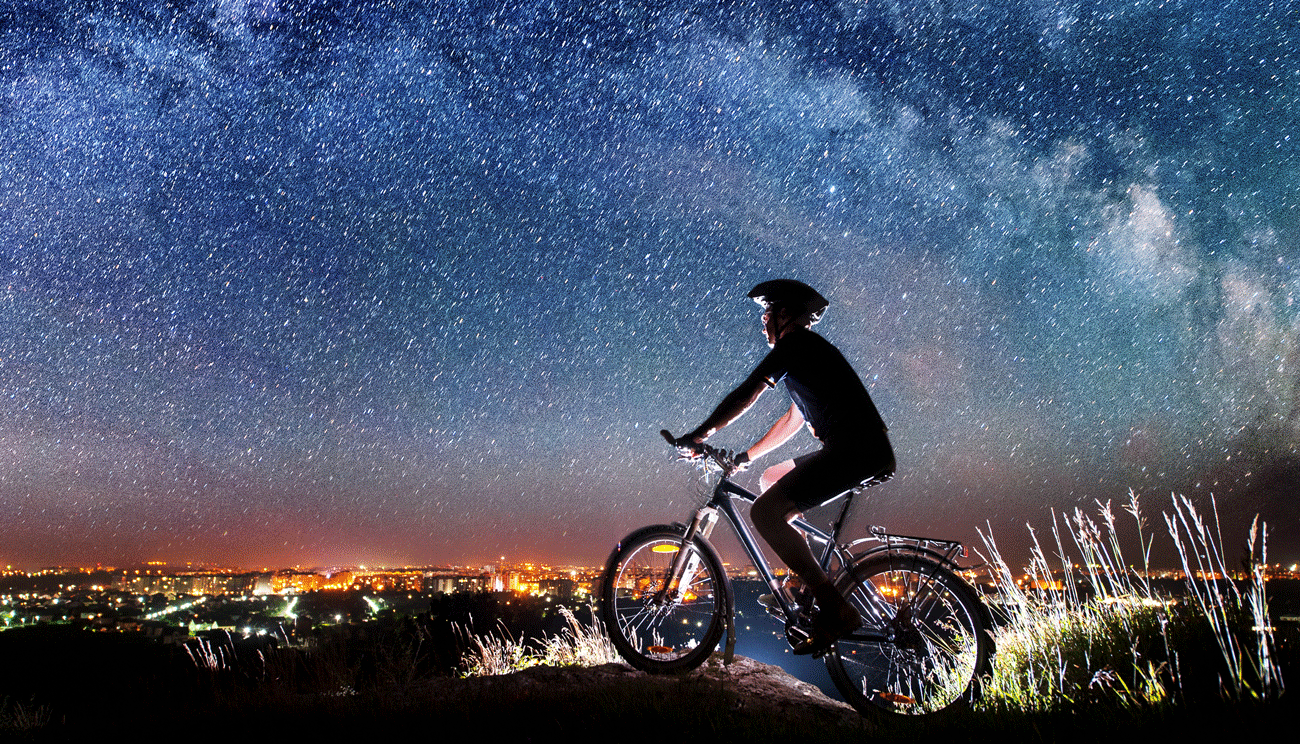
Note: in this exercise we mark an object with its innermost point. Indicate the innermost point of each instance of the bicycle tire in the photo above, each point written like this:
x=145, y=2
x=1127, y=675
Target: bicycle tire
x=657, y=634
x=940, y=647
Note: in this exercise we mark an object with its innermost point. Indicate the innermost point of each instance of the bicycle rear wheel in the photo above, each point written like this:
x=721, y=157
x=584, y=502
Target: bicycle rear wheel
x=937, y=646
x=659, y=624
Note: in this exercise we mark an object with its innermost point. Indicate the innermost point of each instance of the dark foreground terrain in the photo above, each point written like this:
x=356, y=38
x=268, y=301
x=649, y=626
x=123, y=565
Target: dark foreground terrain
x=746, y=701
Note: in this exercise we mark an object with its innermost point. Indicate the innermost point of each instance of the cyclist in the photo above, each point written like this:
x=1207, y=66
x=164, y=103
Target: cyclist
x=830, y=398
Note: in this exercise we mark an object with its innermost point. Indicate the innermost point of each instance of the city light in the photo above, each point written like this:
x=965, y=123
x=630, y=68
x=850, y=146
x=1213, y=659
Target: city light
x=178, y=600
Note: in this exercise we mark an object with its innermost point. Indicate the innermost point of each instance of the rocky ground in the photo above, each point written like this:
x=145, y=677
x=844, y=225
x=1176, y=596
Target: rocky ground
x=748, y=688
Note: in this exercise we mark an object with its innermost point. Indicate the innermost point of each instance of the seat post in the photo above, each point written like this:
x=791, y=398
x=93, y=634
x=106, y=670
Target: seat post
x=844, y=512
x=848, y=499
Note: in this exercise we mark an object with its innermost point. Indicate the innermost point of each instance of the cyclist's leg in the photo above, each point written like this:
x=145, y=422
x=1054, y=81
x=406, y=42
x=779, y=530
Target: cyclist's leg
x=801, y=484
x=814, y=479
x=773, y=474
x=771, y=515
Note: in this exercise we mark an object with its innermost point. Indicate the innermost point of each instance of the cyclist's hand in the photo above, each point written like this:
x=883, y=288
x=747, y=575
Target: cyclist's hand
x=739, y=460
x=687, y=448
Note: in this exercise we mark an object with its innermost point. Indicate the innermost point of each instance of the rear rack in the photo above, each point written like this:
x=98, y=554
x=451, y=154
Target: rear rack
x=948, y=550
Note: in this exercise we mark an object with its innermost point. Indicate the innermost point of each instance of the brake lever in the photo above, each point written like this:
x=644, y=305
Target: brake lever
x=719, y=457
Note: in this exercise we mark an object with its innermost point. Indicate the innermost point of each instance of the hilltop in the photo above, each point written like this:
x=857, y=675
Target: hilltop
x=745, y=701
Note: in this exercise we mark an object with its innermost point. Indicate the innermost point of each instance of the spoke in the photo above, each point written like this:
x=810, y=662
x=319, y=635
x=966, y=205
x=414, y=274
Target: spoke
x=927, y=654
x=656, y=629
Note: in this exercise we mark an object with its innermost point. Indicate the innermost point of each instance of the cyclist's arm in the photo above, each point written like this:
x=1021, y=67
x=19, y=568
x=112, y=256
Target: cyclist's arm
x=780, y=433
x=731, y=408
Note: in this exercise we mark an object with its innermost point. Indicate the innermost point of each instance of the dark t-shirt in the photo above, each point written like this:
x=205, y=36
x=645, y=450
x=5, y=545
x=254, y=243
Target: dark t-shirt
x=824, y=387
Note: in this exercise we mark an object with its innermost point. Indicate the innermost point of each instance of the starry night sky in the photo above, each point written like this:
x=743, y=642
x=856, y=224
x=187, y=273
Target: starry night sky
x=346, y=281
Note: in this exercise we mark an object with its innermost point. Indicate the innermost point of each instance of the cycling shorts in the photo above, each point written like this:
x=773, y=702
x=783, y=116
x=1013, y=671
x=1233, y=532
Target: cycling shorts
x=820, y=476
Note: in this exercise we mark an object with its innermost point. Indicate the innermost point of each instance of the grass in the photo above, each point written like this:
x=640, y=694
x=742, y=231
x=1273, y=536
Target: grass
x=17, y=717
x=1112, y=638
x=576, y=645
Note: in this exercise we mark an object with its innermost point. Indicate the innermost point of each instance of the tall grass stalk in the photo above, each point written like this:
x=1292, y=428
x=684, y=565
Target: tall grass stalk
x=1209, y=583
x=576, y=644
x=18, y=717
x=1113, y=636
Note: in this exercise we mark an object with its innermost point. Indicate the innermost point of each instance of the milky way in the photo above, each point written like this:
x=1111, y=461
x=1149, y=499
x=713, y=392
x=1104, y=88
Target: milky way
x=320, y=281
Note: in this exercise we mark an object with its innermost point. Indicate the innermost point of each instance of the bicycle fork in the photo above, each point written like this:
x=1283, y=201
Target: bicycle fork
x=687, y=563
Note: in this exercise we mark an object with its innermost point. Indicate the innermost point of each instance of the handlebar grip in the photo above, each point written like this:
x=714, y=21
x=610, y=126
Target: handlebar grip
x=701, y=451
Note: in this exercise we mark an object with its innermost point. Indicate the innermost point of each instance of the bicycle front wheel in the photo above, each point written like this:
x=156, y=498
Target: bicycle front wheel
x=923, y=645
x=658, y=621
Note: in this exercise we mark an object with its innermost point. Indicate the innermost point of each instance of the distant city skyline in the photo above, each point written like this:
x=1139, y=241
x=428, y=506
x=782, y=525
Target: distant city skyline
x=345, y=283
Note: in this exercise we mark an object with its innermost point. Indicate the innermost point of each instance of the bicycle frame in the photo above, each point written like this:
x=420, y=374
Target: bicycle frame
x=725, y=495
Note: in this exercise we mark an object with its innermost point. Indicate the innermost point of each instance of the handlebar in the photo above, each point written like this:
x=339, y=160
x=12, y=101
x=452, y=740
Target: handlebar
x=722, y=459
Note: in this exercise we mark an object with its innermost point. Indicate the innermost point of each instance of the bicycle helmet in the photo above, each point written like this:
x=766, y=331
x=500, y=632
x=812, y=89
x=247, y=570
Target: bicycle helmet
x=797, y=297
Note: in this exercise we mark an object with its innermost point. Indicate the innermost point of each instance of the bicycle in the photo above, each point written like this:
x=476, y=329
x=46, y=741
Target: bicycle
x=924, y=643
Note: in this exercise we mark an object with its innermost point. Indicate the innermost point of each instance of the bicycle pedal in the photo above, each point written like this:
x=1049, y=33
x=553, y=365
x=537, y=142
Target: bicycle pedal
x=815, y=646
x=796, y=634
